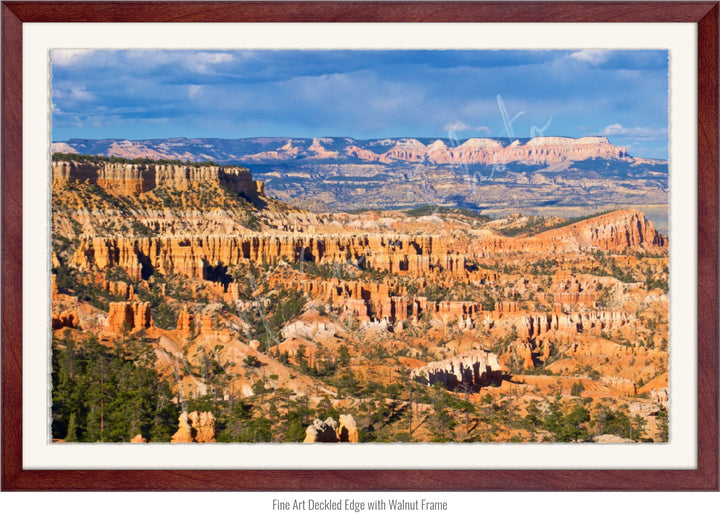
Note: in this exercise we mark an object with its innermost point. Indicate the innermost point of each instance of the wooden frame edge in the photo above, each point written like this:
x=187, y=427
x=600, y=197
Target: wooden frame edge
x=358, y=11
x=11, y=280
x=708, y=247
x=15, y=478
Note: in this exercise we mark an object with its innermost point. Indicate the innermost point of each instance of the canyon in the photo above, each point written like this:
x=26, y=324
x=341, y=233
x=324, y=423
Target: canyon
x=543, y=176
x=267, y=322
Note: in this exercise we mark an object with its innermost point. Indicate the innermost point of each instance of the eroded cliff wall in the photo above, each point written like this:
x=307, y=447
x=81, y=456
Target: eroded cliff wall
x=132, y=179
x=540, y=150
x=192, y=256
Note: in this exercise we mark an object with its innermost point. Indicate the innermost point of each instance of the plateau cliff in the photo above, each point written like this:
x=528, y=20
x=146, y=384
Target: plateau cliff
x=341, y=174
x=131, y=179
x=487, y=151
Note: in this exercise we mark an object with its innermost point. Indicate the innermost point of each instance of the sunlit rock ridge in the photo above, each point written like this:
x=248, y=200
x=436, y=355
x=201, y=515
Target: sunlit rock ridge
x=132, y=179
x=486, y=151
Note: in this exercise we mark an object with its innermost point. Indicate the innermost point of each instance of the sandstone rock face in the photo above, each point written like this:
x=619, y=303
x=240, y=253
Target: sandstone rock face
x=617, y=230
x=129, y=317
x=330, y=431
x=525, y=352
x=322, y=431
x=417, y=256
x=622, y=385
x=68, y=318
x=369, y=301
x=474, y=370
x=661, y=396
x=138, y=439
x=195, y=427
x=540, y=150
x=193, y=256
x=348, y=431
x=507, y=307
x=609, y=439
x=133, y=179
x=534, y=326
x=185, y=432
x=185, y=323
x=204, y=423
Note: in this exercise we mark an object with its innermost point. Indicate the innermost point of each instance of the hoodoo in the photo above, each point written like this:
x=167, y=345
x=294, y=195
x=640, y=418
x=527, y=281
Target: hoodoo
x=246, y=319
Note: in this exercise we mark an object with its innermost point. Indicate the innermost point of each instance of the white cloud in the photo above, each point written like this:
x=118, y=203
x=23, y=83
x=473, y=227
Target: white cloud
x=79, y=93
x=592, y=56
x=615, y=130
x=195, y=91
x=457, y=126
x=201, y=62
x=483, y=129
x=67, y=56
x=72, y=92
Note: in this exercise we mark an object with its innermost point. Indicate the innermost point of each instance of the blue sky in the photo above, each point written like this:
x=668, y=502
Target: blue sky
x=142, y=94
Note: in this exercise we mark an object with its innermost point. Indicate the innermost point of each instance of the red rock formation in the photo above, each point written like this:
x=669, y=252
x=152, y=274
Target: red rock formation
x=185, y=325
x=120, y=288
x=322, y=431
x=191, y=256
x=347, y=431
x=488, y=151
x=475, y=369
x=525, y=351
x=367, y=301
x=67, y=318
x=129, y=316
x=661, y=396
x=539, y=326
x=330, y=431
x=206, y=325
x=506, y=307
x=616, y=231
x=621, y=385
x=195, y=427
x=540, y=150
x=133, y=179
x=402, y=255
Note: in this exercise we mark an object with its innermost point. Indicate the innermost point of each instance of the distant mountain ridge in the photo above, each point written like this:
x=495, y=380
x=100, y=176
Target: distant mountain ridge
x=545, y=175
x=345, y=150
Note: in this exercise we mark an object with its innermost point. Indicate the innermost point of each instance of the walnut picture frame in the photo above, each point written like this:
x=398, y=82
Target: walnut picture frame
x=17, y=477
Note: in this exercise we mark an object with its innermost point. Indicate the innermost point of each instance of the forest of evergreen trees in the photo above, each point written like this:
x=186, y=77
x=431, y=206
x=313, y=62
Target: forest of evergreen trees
x=96, y=159
x=109, y=394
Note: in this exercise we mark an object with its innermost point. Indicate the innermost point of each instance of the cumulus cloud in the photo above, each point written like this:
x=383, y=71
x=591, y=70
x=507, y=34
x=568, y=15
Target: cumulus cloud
x=202, y=62
x=67, y=56
x=456, y=126
x=195, y=91
x=72, y=92
x=363, y=94
x=618, y=130
x=592, y=56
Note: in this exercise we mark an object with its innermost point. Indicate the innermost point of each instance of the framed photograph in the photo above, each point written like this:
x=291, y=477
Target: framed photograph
x=474, y=245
